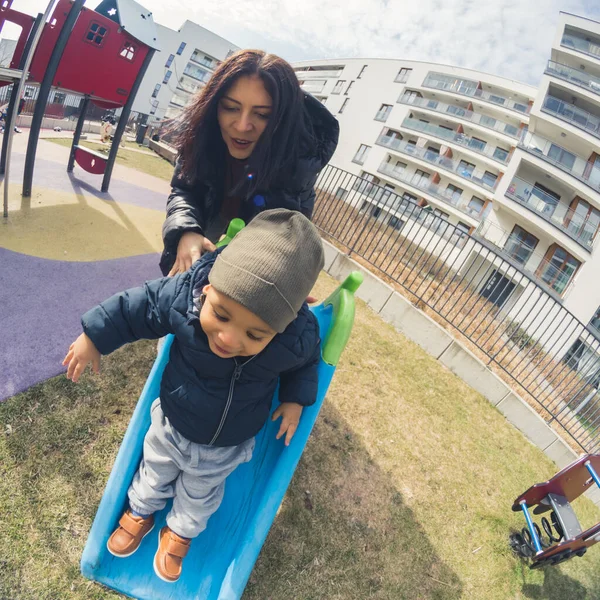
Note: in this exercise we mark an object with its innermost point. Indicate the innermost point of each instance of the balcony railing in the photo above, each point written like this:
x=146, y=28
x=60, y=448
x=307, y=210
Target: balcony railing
x=459, y=139
x=319, y=74
x=462, y=114
x=572, y=114
x=576, y=43
x=552, y=210
x=403, y=209
x=566, y=161
x=558, y=279
x=448, y=164
x=313, y=87
x=458, y=87
x=433, y=189
x=580, y=78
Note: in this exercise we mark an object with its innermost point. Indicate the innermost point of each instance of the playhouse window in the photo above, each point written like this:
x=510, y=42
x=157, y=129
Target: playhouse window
x=128, y=51
x=96, y=34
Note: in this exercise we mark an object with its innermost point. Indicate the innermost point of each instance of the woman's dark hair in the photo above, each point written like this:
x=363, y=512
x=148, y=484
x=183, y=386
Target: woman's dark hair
x=276, y=153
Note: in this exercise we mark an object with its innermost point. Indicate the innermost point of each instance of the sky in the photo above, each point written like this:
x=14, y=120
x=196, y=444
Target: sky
x=510, y=38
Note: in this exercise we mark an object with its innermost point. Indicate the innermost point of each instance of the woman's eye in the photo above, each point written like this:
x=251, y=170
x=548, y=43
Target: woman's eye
x=262, y=116
x=229, y=108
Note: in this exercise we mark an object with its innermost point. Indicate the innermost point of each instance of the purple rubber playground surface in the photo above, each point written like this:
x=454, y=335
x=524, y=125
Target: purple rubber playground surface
x=42, y=302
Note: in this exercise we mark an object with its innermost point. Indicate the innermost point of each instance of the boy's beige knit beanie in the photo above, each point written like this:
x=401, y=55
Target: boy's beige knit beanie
x=271, y=266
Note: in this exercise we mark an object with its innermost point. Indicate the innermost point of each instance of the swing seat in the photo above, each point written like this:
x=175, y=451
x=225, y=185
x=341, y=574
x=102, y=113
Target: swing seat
x=221, y=558
x=90, y=160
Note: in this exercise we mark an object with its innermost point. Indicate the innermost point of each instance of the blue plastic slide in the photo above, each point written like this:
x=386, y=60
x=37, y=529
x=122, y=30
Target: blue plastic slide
x=221, y=559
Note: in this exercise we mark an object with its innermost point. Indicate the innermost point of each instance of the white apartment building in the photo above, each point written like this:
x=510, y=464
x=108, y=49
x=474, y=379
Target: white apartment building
x=187, y=60
x=515, y=166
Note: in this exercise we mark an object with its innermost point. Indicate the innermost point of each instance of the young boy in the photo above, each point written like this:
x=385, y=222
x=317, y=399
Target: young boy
x=241, y=325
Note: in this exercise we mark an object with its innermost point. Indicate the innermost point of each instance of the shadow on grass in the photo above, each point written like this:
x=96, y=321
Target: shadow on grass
x=557, y=586
x=343, y=531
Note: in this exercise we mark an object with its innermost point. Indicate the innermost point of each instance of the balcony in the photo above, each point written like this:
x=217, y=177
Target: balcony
x=313, y=87
x=553, y=211
x=196, y=73
x=458, y=86
x=570, y=113
x=460, y=113
x=201, y=59
x=526, y=259
x=574, y=42
x=333, y=73
x=575, y=76
x=460, y=139
x=433, y=189
x=448, y=164
x=564, y=160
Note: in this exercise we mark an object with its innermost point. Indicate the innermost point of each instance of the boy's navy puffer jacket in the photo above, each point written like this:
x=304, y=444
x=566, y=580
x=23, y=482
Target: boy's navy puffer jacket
x=208, y=399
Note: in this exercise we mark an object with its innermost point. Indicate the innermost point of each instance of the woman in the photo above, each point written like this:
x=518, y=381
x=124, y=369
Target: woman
x=250, y=140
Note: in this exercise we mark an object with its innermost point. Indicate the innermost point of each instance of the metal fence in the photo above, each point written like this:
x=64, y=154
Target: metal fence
x=511, y=313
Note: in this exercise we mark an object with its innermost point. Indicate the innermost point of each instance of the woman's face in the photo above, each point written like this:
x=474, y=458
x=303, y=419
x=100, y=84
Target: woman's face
x=243, y=114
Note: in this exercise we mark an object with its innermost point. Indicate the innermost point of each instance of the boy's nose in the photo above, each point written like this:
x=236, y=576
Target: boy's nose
x=228, y=340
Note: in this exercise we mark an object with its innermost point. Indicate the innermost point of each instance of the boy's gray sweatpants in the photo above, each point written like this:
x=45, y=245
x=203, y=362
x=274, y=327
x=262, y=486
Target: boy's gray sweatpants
x=192, y=474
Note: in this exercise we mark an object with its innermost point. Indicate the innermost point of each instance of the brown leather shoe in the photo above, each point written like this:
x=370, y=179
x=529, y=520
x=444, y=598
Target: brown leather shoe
x=126, y=539
x=170, y=554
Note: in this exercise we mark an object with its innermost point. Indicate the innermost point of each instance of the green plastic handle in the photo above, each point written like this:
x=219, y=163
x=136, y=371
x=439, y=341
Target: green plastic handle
x=344, y=307
x=235, y=226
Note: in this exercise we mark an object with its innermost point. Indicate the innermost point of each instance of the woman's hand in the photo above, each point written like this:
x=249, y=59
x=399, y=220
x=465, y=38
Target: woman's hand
x=191, y=246
x=81, y=352
x=290, y=413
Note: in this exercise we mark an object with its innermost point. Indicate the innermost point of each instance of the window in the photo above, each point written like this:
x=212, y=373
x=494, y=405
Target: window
x=337, y=88
x=561, y=156
x=362, y=71
x=547, y=200
x=420, y=178
x=595, y=321
x=128, y=51
x=465, y=168
x=403, y=75
x=156, y=90
x=361, y=154
x=348, y=88
x=477, y=144
x=490, y=179
x=582, y=220
x=398, y=167
x=410, y=97
x=453, y=193
x=181, y=48
x=96, y=33
x=167, y=76
x=496, y=99
x=383, y=113
x=487, y=121
x=475, y=205
x=396, y=223
x=343, y=106
x=461, y=233
x=520, y=244
x=459, y=111
x=501, y=154
x=558, y=270
x=169, y=61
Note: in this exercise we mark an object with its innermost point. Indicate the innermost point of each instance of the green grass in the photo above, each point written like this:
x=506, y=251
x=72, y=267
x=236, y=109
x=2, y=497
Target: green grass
x=404, y=490
x=147, y=162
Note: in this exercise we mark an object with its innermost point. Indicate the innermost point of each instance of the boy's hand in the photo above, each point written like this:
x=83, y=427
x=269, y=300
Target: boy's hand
x=290, y=413
x=81, y=352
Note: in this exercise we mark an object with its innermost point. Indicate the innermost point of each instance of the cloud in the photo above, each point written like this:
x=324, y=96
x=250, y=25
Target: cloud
x=511, y=38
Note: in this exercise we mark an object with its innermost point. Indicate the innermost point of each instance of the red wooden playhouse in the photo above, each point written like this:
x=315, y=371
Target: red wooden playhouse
x=102, y=54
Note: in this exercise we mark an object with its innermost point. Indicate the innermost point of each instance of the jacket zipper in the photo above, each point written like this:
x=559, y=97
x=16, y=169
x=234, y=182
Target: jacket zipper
x=236, y=375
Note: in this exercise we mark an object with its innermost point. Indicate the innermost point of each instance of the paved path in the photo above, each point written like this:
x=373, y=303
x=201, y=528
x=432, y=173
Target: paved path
x=63, y=250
